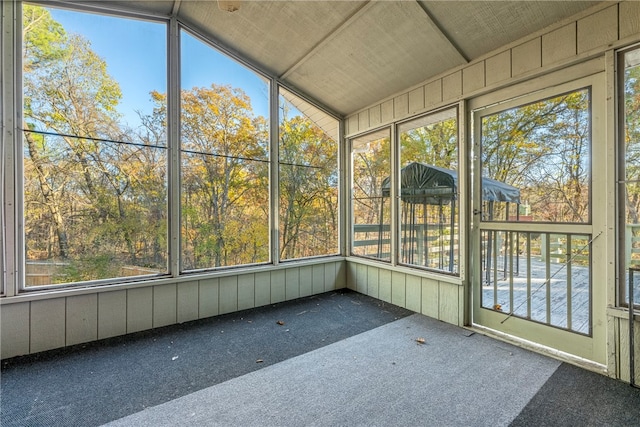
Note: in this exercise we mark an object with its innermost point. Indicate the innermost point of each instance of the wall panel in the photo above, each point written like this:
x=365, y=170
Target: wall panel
x=413, y=293
x=263, y=288
x=498, y=68
x=401, y=106
x=629, y=19
x=372, y=281
x=449, y=303
x=208, y=297
x=433, y=93
x=598, y=30
x=452, y=87
x=384, y=284
x=386, y=109
x=139, y=309
x=246, y=291
x=473, y=78
x=312, y=279
x=431, y=298
x=47, y=323
x=331, y=274
x=112, y=314
x=278, y=286
x=416, y=100
x=361, y=278
x=375, y=116
x=527, y=57
x=165, y=305
x=292, y=284
x=228, y=294
x=559, y=45
x=398, y=288
x=187, y=304
x=623, y=353
x=14, y=329
x=81, y=319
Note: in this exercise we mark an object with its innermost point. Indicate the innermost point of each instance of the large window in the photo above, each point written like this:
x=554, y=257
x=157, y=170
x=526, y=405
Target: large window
x=370, y=195
x=224, y=142
x=308, y=175
x=95, y=152
x=629, y=174
x=429, y=192
x=99, y=183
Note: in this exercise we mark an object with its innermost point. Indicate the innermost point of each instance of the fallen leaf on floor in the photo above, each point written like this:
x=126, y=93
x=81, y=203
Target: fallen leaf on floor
x=259, y=361
x=174, y=357
x=280, y=322
x=497, y=307
x=421, y=341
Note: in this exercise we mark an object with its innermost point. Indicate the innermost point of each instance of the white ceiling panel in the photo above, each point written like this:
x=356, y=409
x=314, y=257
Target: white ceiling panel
x=274, y=34
x=478, y=27
x=387, y=47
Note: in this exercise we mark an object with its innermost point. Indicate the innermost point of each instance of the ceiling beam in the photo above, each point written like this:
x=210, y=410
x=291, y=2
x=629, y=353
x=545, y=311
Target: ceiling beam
x=330, y=36
x=176, y=7
x=442, y=31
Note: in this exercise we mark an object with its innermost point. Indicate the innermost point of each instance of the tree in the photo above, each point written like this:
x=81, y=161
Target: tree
x=99, y=191
x=436, y=145
x=224, y=177
x=543, y=149
x=308, y=189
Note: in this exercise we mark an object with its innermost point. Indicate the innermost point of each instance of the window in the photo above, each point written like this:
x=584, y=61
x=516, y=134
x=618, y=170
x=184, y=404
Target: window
x=308, y=175
x=95, y=151
x=370, y=195
x=429, y=192
x=629, y=171
x=536, y=161
x=224, y=143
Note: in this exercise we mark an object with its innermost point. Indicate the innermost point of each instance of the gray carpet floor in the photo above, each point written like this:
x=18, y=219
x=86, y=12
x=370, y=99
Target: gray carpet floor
x=380, y=377
x=332, y=360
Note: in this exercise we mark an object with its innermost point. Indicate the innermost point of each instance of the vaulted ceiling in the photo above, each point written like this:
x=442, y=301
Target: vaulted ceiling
x=350, y=54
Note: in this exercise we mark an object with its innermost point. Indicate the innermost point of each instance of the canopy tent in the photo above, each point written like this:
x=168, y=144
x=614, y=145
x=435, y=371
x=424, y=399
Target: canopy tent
x=427, y=184
x=422, y=184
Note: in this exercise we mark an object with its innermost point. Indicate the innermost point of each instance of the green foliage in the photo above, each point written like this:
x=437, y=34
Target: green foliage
x=224, y=177
x=93, y=205
x=308, y=189
x=543, y=149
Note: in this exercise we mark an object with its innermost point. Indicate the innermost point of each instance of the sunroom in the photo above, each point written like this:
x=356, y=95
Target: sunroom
x=473, y=162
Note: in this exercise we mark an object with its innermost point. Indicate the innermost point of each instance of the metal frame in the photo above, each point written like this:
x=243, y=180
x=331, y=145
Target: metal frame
x=632, y=364
x=592, y=346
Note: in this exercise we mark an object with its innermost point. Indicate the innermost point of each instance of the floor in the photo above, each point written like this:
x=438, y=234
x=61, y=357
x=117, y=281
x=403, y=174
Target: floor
x=335, y=359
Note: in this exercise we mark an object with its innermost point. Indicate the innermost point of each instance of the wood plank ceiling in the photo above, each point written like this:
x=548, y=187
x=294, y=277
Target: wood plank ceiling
x=349, y=54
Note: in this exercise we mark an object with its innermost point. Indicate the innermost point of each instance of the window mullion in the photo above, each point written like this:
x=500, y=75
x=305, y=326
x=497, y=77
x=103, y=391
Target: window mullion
x=173, y=141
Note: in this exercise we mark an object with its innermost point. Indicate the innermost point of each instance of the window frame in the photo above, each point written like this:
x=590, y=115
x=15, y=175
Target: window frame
x=389, y=129
x=624, y=284
x=460, y=197
x=20, y=284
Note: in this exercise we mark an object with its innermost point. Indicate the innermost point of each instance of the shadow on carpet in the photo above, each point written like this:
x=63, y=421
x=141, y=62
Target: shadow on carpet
x=575, y=397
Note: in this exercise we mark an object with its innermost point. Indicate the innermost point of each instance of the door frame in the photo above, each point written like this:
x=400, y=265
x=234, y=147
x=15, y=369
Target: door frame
x=593, y=347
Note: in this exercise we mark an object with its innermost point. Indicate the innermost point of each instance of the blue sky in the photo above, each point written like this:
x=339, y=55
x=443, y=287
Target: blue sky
x=135, y=53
